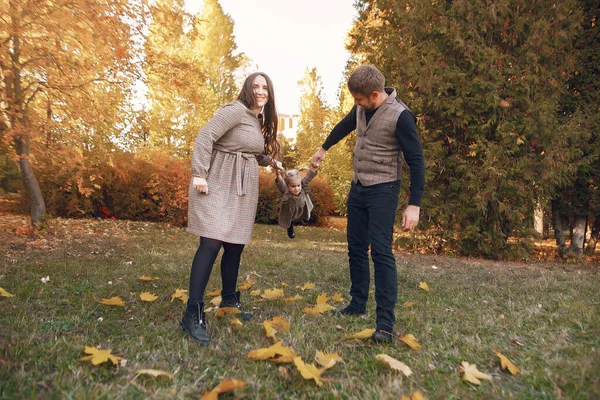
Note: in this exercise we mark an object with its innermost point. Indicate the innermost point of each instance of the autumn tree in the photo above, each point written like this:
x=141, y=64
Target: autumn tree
x=485, y=80
x=65, y=66
x=314, y=124
x=190, y=70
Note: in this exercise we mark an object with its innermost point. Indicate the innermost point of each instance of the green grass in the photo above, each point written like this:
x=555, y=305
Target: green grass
x=543, y=316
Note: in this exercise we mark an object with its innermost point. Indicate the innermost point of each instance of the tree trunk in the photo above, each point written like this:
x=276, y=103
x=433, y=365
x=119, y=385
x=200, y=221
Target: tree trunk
x=591, y=246
x=578, y=236
x=558, y=227
x=36, y=199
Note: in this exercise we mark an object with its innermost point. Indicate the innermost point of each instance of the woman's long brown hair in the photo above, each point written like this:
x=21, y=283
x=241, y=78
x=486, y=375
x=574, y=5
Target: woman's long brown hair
x=269, y=115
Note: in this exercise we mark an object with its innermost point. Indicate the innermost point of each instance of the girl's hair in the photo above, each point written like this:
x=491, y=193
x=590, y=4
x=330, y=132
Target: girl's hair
x=293, y=174
x=269, y=112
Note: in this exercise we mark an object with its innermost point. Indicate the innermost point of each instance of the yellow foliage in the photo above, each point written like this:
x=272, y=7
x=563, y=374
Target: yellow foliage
x=180, y=294
x=98, y=356
x=394, y=364
x=227, y=310
x=364, y=334
x=113, y=301
x=148, y=278
x=216, y=301
x=247, y=285
x=4, y=293
x=318, y=309
x=506, y=363
x=255, y=292
x=327, y=360
x=147, y=296
x=309, y=371
x=424, y=286
x=322, y=298
x=237, y=324
x=411, y=341
x=338, y=298
x=226, y=385
x=471, y=374
x=214, y=293
x=272, y=294
x=153, y=372
x=294, y=299
x=307, y=286
x=275, y=350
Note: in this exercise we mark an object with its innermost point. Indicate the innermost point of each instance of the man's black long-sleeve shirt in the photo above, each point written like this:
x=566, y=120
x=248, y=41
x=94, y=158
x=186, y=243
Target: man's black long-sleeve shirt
x=408, y=140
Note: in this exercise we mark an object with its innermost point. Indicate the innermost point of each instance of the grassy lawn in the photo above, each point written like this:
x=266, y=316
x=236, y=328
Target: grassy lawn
x=543, y=316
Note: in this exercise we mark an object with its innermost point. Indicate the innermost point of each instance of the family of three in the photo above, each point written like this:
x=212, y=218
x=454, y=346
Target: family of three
x=223, y=193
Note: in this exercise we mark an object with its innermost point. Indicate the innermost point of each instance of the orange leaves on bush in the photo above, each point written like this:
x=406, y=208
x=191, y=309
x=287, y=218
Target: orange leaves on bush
x=147, y=296
x=153, y=372
x=318, y=309
x=180, y=294
x=411, y=341
x=309, y=371
x=113, y=301
x=271, y=352
x=471, y=374
x=247, y=285
x=327, y=360
x=307, y=286
x=4, y=293
x=394, y=364
x=338, y=298
x=226, y=385
x=227, y=310
x=424, y=286
x=272, y=294
x=506, y=363
x=98, y=356
x=364, y=334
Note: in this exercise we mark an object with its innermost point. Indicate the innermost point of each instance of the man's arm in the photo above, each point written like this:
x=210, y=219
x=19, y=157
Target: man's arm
x=340, y=131
x=408, y=139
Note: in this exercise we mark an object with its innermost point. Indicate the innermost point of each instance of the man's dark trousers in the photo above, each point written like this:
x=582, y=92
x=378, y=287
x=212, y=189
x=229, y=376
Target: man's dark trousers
x=371, y=214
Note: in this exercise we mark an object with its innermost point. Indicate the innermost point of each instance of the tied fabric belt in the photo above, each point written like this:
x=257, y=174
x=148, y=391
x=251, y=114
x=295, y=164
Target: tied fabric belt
x=241, y=169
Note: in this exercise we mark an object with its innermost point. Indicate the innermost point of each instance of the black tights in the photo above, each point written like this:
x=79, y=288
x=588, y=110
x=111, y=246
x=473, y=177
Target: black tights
x=203, y=262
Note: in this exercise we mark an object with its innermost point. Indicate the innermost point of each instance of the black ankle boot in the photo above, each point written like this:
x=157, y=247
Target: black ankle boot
x=233, y=300
x=194, y=323
x=290, y=231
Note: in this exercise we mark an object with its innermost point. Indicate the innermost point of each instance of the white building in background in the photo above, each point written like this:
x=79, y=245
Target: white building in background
x=288, y=126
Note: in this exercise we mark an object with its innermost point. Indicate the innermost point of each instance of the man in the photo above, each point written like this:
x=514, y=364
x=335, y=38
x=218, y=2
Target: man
x=385, y=129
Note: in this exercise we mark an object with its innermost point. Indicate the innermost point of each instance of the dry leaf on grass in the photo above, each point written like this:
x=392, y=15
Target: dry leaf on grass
x=214, y=293
x=408, y=304
x=147, y=296
x=364, y=334
x=415, y=396
x=506, y=363
x=247, y=285
x=307, y=286
x=227, y=310
x=237, y=324
x=318, y=309
x=411, y=341
x=113, y=301
x=424, y=286
x=291, y=300
x=272, y=294
x=255, y=292
x=309, y=371
x=180, y=294
x=226, y=385
x=322, y=298
x=274, y=325
x=394, y=364
x=338, y=298
x=98, y=356
x=216, y=301
x=327, y=360
x=471, y=374
x=153, y=372
x=4, y=293
x=148, y=278
x=284, y=284
x=275, y=350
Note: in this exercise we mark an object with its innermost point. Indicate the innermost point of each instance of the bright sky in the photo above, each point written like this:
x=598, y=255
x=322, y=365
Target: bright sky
x=284, y=37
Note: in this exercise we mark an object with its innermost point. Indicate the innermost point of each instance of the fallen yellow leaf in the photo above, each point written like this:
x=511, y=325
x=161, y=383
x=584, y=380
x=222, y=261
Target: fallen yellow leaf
x=227, y=310
x=394, y=364
x=308, y=371
x=424, y=286
x=272, y=294
x=318, y=309
x=113, y=301
x=307, y=286
x=180, y=294
x=214, y=293
x=226, y=385
x=471, y=374
x=153, y=372
x=338, y=298
x=255, y=292
x=283, y=359
x=411, y=341
x=327, y=360
x=506, y=363
x=322, y=298
x=237, y=324
x=147, y=296
x=280, y=324
x=408, y=304
x=284, y=284
x=270, y=352
x=417, y=396
x=216, y=301
x=4, y=293
x=294, y=299
x=148, y=278
x=99, y=356
x=247, y=285
x=364, y=334
x=270, y=330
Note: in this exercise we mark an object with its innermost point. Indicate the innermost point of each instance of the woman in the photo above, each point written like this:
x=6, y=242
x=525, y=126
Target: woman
x=223, y=192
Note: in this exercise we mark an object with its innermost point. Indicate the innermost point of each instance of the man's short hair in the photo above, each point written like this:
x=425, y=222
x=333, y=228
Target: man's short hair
x=365, y=80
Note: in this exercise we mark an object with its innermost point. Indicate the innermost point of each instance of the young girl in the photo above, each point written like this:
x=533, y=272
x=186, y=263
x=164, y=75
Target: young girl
x=296, y=204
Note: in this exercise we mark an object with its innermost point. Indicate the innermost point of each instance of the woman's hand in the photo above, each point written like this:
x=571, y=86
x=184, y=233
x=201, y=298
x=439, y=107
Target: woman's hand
x=200, y=185
x=278, y=165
